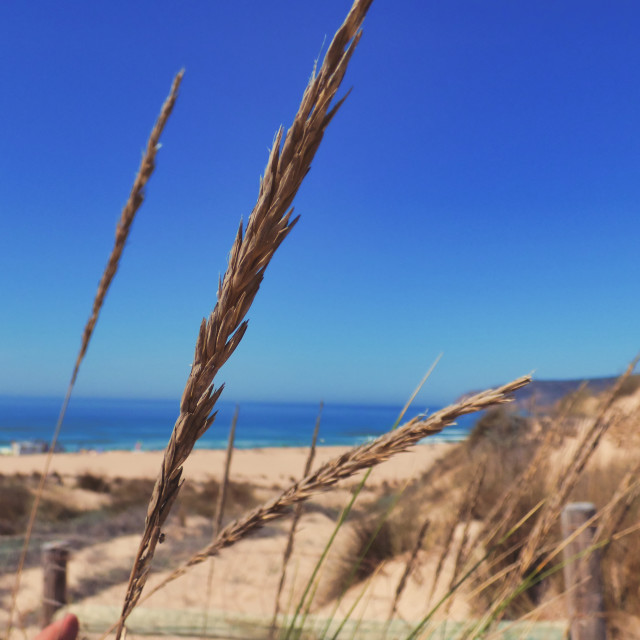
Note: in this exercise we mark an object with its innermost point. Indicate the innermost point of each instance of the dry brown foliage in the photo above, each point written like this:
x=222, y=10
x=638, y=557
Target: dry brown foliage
x=539, y=546
x=569, y=477
x=497, y=520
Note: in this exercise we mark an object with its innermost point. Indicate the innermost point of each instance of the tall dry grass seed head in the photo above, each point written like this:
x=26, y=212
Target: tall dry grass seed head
x=269, y=224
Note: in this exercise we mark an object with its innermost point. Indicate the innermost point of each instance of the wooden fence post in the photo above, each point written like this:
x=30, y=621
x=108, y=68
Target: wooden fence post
x=582, y=575
x=54, y=595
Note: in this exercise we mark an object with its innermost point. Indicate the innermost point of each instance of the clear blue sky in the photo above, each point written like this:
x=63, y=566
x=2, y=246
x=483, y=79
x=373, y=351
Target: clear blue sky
x=477, y=195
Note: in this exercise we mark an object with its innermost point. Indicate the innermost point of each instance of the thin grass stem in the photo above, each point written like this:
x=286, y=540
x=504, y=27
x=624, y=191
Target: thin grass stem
x=409, y=567
x=297, y=513
x=347, y=510
x=353, y=607
x=474, y=492
x=217, y=523
x=136, y=198
x=363, y=554
x=419, y=628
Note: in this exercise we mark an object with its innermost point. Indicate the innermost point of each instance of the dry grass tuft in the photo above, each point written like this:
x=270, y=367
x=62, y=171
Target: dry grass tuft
x=526, y=553
x=623, y=497
x=201, y=498
x=14, y=505
x=17, y=495
x=90, y=482
x=366, y=544
x=569, y=477
x=129, y=492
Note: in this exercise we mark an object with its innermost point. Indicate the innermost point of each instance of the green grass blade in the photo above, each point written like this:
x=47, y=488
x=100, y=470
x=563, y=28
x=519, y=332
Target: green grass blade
x=347, y=510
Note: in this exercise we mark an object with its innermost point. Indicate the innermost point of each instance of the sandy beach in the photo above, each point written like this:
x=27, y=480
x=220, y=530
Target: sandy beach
x=247, y=574
x=260, y=467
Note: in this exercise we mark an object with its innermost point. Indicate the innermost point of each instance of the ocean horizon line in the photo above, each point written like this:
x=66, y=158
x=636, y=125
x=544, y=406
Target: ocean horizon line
x=147, y=399
x=146, y=424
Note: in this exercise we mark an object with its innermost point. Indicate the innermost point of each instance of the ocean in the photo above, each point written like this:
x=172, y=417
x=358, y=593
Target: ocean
x=107, y=424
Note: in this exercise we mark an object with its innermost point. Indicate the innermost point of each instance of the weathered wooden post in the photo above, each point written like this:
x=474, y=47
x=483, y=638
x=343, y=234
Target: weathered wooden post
x=54, y=594
x=583, y=575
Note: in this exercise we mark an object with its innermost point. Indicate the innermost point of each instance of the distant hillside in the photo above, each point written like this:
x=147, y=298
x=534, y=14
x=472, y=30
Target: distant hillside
x=547, y=392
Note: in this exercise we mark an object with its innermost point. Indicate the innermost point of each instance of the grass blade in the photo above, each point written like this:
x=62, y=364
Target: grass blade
x=347, y=510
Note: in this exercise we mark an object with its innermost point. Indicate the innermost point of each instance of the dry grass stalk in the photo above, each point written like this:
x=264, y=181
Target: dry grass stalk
x=297, y=513
x=222, y=495
x=268, y=225
x=217, y=521
x=498, y=560
x=463, y=509
x=443, y=555
x=409, y=567
x=604, y=514
x=500, y=514
x=464, y=547
x=568, y=479
x=348, y=464
x=610, y=522
x=498, y=575
x=555, y=503
x=464, y=515
x=625, y=532
x=136, y=198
